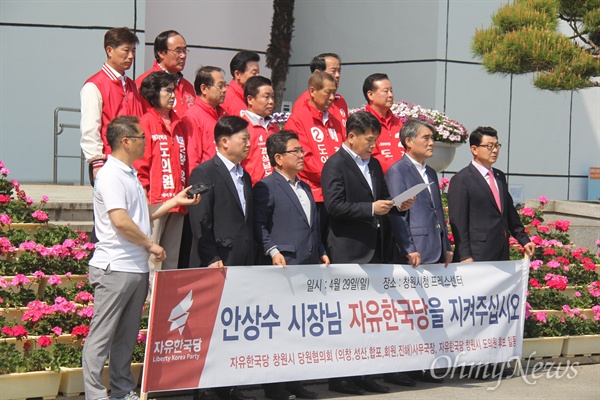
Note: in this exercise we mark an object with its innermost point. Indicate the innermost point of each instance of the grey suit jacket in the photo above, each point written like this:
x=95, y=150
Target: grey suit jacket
x=423, y=227
x=279, y=220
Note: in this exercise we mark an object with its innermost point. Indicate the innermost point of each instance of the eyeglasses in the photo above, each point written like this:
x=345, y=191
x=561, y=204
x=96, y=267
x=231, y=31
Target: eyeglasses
x=221, y=86
x=297, y=152
x=143, y=137
x=180, y=52
x=491, y=146
x=168, y=90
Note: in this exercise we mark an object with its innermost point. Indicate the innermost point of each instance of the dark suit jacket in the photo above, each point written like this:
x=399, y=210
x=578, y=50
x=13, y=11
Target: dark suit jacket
x=219, y=228
x=349, y=202
x=279, y=220
x=423, y=227
x=480, y=230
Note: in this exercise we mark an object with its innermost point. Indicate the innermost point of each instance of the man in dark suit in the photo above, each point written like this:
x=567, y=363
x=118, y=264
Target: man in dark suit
x=281, y=201
x=357, y=200
x=286, y=225
x=482, y=214
x=421, y=235
x=222, y=228
x=222, y=231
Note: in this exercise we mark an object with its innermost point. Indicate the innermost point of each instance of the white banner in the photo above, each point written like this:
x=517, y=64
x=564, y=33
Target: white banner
x=260, y=324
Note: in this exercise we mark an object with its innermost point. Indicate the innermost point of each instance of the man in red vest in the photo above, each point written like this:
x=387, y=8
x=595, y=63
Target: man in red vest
x=260, y=98
x=330, y=63
x=243, y=66
x=198, y=123
x=319, y=134
x=108, y=94
x=379, y=94
x=170, y=53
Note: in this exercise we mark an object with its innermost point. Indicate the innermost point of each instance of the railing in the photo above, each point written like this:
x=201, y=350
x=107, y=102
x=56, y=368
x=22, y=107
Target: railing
x=58, y=129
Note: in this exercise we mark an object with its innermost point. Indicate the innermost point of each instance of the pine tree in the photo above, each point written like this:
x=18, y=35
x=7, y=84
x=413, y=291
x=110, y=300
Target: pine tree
x=528, y=36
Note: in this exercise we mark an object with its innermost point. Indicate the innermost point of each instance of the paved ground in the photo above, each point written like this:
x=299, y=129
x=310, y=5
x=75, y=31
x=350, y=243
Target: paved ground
x=552, y=379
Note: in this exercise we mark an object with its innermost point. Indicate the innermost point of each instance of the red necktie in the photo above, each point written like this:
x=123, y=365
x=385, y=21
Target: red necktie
x=494, y=189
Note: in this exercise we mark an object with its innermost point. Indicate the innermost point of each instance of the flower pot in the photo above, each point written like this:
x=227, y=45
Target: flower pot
x=13, y=314
x=30, y=228
x=65, y=281
x=31, y=384
x=71, y=381
x=443, y=154
x=34, y=285
x=581, y=345
x=19, y=344
x=542, y=347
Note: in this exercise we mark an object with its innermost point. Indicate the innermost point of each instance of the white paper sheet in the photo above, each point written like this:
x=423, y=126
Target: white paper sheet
x=410, y=193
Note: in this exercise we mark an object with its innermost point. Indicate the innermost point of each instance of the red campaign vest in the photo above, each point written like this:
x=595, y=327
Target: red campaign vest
x=198, y=128
x=339, y=108
x=257, y=163
x=115, y=101
x=320, y=142
x=162, y=170
x=389, y=149
x=234, y=102
x=184, y=92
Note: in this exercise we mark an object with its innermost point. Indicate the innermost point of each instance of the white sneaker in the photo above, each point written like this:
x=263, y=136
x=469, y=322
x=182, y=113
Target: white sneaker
x=129, y=396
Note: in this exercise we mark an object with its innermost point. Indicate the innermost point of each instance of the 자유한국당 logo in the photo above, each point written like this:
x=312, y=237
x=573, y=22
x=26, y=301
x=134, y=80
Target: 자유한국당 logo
x=179, y=314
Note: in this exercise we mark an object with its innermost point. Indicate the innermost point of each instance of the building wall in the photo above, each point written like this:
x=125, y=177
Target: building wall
x=49, y=49
x=550, y=140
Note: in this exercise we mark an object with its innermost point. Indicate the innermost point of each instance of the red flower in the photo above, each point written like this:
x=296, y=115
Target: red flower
x=549, y=252
x=19, y=332
x=534, y=283
x=80, y=330
x=7, y=330
x=44, y=341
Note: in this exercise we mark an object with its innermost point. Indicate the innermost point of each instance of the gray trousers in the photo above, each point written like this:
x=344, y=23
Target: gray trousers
x=118, y=301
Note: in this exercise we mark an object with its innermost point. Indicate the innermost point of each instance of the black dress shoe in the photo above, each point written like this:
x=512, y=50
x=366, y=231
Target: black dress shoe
x=399, y=378
x=232, y=393
x=205, y=394
x=298, y=389
x=344, y=385
x=368, y=383
x=280, y=394
x=428, y=377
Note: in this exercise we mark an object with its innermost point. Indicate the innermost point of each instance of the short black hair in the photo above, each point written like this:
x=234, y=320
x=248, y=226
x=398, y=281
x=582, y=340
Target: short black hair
x=277, y=144
x=411, y=127
x=229, y=125
x=118, y=128
x=369, y=83
x=252, y=86
x=152, y=85
x=160, y=43
x=204, y=77
x=318, y=62
x=239, y=61
x=116, y=37
x=477, y=135
x=362, y=121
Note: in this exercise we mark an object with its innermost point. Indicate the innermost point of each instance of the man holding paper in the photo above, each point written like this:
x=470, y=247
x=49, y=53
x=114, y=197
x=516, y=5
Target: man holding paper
x=420, y=236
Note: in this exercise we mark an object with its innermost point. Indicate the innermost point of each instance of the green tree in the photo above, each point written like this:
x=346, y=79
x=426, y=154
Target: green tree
x=280, y=47
x=526, y=36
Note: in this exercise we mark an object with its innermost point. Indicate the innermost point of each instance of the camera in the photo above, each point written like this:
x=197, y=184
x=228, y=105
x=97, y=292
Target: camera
x=198, y=188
